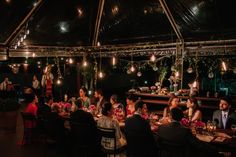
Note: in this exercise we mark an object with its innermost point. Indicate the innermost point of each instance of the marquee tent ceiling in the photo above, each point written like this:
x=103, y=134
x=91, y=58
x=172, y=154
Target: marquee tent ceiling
x=74, y=23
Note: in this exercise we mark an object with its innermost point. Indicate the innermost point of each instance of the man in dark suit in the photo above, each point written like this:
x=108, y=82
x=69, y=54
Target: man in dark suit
x=176, y=140
x=224, y=117
x=138, y=133
x=84, y=132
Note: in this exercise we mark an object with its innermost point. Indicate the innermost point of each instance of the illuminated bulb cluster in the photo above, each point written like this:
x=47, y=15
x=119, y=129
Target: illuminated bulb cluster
x=21, y=38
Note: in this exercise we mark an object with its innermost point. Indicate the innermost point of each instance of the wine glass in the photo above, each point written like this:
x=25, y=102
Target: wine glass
x=233, y=128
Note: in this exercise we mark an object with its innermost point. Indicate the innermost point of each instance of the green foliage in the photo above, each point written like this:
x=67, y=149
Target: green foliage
x=162, y=75
x=9, y=104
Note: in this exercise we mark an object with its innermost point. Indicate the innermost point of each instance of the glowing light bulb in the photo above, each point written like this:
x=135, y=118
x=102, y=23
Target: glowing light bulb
x=113, y=61
x=153, y=58
x=58, y=81
x=33, y=55
x=27, y=32
x=132, y=69
x=176, y=74
x=194, y=84
x=98, y=44
x=100, y=75
x=85, y=64
x=224, y=66
x=71, y=61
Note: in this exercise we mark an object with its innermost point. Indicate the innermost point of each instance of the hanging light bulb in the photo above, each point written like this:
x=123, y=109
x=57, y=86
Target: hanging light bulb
x=224, y=68
x=27, y=32
x=210, y=75
x=190, y=70
x=71, y=61
x=100, y=74
x=33, y=55
x=15, y=47
x=153, y=58
x=85, y=64
x=194, y=84
x=176, y=74
x=132, y=68
x=58, y=81
x=18, y=43
x=21, y=39
x=24, y=37
x=113, y=60
x=139, y=74
x=98, y=44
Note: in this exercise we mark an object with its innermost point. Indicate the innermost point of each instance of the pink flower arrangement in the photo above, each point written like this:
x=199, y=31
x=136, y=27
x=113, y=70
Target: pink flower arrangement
x=199, y=124
x=185, y=122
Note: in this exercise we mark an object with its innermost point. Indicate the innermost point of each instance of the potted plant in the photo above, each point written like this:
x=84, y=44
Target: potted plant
x=8, y=114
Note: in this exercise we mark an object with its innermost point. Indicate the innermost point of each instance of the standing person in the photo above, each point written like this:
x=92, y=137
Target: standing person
x=4, y=84
x=36, y=85
x=224, y=117
x=138, y=133
x=178, y=141
x=47, y=81
x=100, y=100
x=83, y=95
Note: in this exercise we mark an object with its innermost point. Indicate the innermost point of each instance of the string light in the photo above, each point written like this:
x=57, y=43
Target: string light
x=195, y=84
x=33, y=55
x=176, y=74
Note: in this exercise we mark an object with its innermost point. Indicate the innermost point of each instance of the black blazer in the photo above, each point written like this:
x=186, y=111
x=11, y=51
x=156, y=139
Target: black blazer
x=86, y=130
x=217, y=118
x=176, y=140
x=139, y=137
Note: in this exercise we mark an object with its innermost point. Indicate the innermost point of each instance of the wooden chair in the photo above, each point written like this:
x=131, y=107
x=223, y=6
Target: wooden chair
x=111, y=134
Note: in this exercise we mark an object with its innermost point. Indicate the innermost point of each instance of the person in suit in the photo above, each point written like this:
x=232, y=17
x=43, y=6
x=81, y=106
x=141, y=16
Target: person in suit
x=176, y=140
x=84, y=131
x=224, y=117
x=140, y=139
x=100, y=100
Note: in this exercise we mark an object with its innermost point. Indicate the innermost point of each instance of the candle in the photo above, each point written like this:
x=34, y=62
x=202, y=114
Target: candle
x=190, y=112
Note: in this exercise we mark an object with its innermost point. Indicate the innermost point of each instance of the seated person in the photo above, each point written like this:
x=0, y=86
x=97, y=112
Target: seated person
x=130, y=103
x=83, y=95
x=177, y=140
x=138, y=133
x=173, y=102
x=45, y=108
x=193, y=112
x=83, y=127
x=224, y=117
x=107, y=121
x=119, y=113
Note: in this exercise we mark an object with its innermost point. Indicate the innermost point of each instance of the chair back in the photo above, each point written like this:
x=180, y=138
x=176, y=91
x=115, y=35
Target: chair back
x=108, y=133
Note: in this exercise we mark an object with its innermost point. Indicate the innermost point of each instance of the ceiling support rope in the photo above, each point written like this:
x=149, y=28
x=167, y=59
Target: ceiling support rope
x=98, y=21
x=14, y=34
